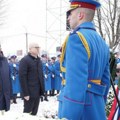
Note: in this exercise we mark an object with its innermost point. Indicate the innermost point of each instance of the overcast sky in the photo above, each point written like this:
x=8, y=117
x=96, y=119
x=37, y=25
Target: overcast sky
x=29, y=16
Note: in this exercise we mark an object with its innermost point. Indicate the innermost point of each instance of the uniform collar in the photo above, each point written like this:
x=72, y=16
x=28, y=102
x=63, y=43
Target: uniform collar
x=85, y=25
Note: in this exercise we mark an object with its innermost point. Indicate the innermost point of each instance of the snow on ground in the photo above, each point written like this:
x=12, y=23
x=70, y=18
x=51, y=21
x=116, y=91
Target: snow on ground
x=46, y=108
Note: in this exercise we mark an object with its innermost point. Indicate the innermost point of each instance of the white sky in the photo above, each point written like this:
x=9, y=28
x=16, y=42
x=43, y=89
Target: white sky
x=30, y=16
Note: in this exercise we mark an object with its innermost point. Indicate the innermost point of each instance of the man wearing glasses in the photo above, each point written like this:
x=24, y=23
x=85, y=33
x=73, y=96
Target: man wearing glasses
x=31, y=79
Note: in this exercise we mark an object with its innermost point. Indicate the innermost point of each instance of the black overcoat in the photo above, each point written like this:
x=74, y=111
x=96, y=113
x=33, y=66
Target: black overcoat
x=31, y=76
x=5, y=85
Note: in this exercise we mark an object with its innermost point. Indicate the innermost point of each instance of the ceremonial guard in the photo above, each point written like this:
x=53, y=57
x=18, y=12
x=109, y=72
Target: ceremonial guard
x=85, y=62
x=14, y=77
x=58, y=75
x=47, y=75
x=52, y=70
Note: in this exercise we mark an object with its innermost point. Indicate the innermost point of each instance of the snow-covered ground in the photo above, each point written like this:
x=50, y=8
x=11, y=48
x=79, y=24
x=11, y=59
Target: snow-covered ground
x=45, y=109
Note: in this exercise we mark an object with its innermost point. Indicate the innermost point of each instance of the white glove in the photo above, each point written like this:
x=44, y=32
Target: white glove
x=46, y=64
x=61, y=75
x=45, y=76
x=13, y=77
x=53, y=75
x=14, y=65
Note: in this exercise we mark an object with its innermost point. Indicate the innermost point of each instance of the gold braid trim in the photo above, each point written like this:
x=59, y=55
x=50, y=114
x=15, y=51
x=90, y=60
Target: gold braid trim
x=63, y=54
x=84, y=41
x=74, y=6
x=96, y=81
x=63, y=81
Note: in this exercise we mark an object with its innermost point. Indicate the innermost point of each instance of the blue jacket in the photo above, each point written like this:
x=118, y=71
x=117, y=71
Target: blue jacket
x=52, y=69
x=81, y=99
x=47, y=76
x=58, y=78
x=14, y=76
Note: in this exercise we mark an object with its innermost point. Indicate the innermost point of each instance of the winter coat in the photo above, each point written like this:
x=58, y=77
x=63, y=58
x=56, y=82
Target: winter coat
x=5, y=85
x=87, y=75
x=31, y=76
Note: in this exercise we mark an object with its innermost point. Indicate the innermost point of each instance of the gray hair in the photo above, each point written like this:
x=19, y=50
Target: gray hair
x=31, y=45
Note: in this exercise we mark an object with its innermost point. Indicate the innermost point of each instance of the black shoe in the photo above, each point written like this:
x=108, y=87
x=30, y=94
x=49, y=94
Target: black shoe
x=14, y=101
x=46, y=99
x=41, y=98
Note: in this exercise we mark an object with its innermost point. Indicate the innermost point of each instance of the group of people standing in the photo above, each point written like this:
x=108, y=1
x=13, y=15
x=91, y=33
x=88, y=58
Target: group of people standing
x=32, y=77
x=37, y=77
x=85, y=70
x=52, y=75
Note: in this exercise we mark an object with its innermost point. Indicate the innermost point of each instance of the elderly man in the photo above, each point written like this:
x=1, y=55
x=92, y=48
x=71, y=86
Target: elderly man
x=31, y=79
x=85, y=63
x=5, y=85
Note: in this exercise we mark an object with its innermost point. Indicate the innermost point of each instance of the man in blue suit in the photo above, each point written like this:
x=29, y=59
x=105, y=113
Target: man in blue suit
x=85, y=62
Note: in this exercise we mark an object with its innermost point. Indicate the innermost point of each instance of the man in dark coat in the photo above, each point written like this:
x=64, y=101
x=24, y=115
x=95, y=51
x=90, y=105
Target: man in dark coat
x=112, y=62
x=5, y=85
x=31, y=79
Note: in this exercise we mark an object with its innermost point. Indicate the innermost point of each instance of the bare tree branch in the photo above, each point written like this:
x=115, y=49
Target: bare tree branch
x=108, y=21
x=4, y=7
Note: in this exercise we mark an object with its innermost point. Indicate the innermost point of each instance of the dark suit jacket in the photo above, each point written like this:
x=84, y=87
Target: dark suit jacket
x=5, y=84
x=31, y=76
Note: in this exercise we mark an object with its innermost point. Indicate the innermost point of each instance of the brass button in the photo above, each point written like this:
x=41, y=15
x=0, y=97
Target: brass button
x=89, y=85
